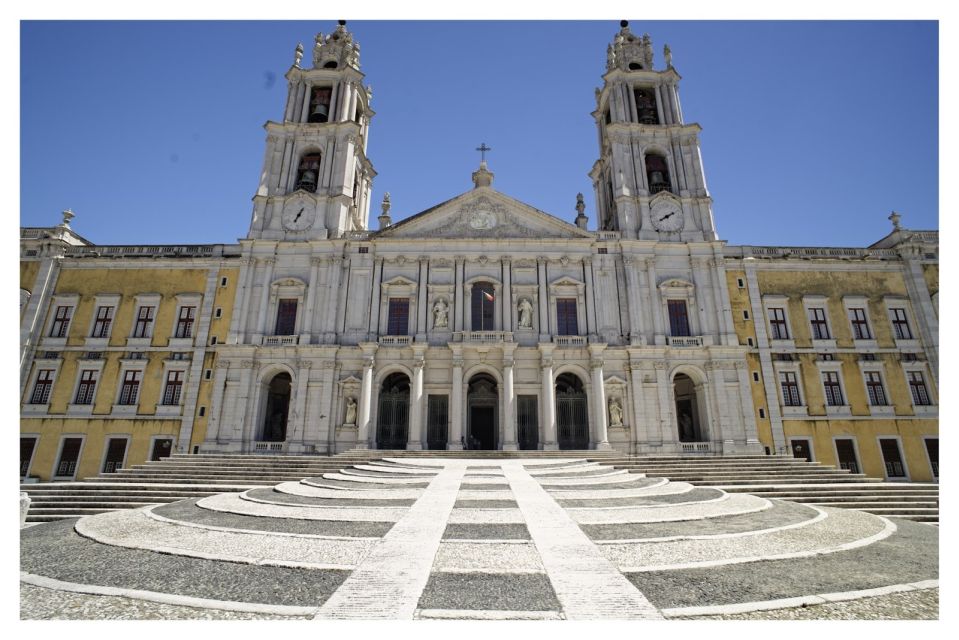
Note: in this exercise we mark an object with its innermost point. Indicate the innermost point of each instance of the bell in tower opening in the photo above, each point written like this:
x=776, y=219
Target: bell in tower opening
x=320, y=104
x=307, y=172
x=646, y=106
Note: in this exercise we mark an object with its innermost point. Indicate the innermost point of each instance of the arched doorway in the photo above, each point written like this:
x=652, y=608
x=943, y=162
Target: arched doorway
x=572, y=421
x=393, y=416
x=277, y=408
x=482, y=413
x=688, y=419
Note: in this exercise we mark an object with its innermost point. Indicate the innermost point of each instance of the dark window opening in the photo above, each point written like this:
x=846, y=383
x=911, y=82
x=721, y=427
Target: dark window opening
x=932, y=448
x=678, y=318
x=901, y=324
x=483, y=306
x=331, y=64
x=398, y=317
x=830, y=381
x=27, y=446
x=657, y=174
x=846, y=453
x=917, y=385
x=61, y=322
x=777, y=324
x=891, y=458
x=860, y=326
x=635, y=66
x=566, y=324
x=286, y=317
x=116, y=450
x=42, y=387
x=877, y=394
x=131, y=384
x=101, y=327
x=307, y=174
x=646, y=106
x=69, y=455
x=184, y=324
x=790, y=386
x=174, y=384
x=320, y=104
x=144, y=320
x=87, y=387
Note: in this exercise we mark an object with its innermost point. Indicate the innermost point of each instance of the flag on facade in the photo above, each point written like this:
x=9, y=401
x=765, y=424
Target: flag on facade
x=488, y=296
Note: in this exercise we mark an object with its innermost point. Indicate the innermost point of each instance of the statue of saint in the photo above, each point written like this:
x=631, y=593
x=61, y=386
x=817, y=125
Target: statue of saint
x=440, y=314
x=615, y=413
x=525, y=314
x=350, y=410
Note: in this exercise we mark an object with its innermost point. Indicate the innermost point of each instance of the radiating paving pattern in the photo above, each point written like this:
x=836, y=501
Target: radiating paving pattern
x=484, y=539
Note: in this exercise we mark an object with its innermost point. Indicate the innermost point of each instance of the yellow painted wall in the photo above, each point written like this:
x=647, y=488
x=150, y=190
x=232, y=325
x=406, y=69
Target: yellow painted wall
x=931, y=274
x=28, y=274
x=95, y=432
x=866, y=434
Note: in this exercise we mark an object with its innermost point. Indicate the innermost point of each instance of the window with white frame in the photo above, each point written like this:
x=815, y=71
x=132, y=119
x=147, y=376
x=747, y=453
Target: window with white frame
x=42, y=386
x=102, y=322
x=173, y=388
x=918, y=389
x=184, y=323
x=900, y=323
x=86, y=388
x=143, y=326
x=61, y=321
x=777, y=324
x=130, y=387
x=818, y=324
x=789, y=382
x=875, y=389
x=860, y=323
x=832, y=388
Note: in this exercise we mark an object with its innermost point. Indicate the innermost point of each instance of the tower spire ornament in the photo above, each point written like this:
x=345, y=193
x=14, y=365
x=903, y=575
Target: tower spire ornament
x=483, y=149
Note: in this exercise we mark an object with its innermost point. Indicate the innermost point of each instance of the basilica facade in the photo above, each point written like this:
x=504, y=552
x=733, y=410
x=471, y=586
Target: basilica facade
x=482, y=322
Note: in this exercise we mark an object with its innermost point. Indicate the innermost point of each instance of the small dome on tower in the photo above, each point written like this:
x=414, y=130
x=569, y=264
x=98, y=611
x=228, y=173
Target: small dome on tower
x=336, y=50
x=629, y=52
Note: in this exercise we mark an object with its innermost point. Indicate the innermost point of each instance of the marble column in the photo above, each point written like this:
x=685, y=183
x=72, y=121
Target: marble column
x=366, y=401
x=335, y=270
x=421, y=299
x=600, y=438
x=216, y=402
x=298, y=426
x=415, y=432
x=455, y=438
x=506, y=300
x=260, y=328
x=592, y=329
x=458, y=297
x=509, y=404
x=374, y=327
x=655, y=307
x=632, y=301
x=549, y=403
x=544, y=331
x=668, y=433
x=307, y=329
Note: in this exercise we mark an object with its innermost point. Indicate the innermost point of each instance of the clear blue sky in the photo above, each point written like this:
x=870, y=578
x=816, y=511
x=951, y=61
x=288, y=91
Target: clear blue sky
x=152, y=131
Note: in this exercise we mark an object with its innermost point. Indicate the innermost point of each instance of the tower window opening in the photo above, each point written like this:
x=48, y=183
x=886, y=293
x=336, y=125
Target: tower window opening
x=320, y=104
x=657, y=173
x=330, y=65
x=646, y=106
x=635, y=66
x=308, y=172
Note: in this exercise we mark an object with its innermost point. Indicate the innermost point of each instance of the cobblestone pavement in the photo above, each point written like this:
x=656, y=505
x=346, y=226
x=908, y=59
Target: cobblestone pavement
x=455, y=538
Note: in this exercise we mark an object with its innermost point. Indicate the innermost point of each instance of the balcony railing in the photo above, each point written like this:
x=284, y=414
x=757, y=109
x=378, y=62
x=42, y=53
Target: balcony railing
x=695, y=447
x=280, y=341
x=684, y=342
x=483, y=337
x=395, y=341
x=569, y=341
x=267, y=447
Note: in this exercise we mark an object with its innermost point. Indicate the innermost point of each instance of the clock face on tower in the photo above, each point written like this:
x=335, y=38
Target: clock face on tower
x=667, y=217
x=297, y=216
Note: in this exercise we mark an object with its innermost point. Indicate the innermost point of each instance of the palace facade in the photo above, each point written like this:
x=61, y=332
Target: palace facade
x=482, y=322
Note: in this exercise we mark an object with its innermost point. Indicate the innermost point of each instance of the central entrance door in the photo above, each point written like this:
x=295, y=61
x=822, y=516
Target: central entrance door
x=277, y=408
x=393, y=417
x=572, y=423
x=482, y=405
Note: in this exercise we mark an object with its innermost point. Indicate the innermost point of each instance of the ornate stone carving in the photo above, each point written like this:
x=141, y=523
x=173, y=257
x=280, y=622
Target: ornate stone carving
x=615, y=413
x=223, y=364
x=564, y=260
x=525, y=309
x=440, y=314
x=596, y=363
x=247, y=364
x=660, y=365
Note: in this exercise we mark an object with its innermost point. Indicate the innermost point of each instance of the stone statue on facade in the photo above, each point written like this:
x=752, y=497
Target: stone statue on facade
x=440, y=314
x=615, y=413
x=525, y=314
x=350, y=410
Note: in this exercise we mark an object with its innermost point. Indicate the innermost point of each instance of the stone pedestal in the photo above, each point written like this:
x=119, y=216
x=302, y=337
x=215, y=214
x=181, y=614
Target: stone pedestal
x=24, y=507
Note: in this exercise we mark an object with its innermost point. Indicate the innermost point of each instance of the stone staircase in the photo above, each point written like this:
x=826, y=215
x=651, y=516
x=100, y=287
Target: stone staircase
x=796, y=480
x=184, y=476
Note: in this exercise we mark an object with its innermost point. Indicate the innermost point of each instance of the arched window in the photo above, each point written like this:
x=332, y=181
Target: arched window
x=657, y=173
x=483, y=306
x=646, y=106
x=308, y=173
x=320, y=104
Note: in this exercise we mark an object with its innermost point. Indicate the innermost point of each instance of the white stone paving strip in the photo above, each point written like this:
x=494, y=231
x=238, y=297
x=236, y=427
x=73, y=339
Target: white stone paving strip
x=312, y=491
x=587, y=585
x=735, y=504
x=231, y=503
x=388, y=582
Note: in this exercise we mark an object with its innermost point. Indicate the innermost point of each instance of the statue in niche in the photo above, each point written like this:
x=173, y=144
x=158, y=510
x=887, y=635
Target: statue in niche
x=440, y=314
x=350, y=410
x=615, y=413
x=525, y=314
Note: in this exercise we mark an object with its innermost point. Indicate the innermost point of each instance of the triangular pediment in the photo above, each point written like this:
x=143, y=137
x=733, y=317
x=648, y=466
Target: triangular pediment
x=483, y=213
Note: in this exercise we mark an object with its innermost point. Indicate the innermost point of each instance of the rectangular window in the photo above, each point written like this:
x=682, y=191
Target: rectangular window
x=790, y=389
x=42, y=387
x=363, y=250
x=437, y=410
x=892, y=458
x=527, y=422
x=860, y=327
x=932, y=449
x=566, y=324
x=141, y=329
x=116, y=450
x=223, y=282
x=286, y=317
x=27, y=446
x=184, y=324
x=900, y=324
x=130, y=387
x=678, y=318
x=61, y=322
x=87, y=387
x=483, y=303
x=218, y=313
x=846, y=452
x=830, y=382
x=101, y=326
x=917, y=385
x=817, y=320
x=877, y=394
x=69, y=455
x=398, y=318
x=174, y=383
x=777, y=324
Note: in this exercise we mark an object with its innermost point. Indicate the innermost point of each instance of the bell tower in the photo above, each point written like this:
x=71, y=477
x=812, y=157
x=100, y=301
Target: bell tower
x=649, y=179
x=316, y=178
